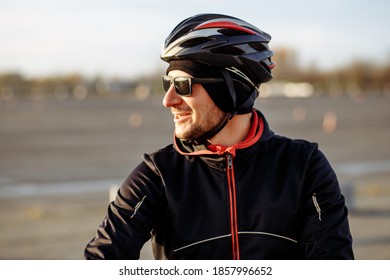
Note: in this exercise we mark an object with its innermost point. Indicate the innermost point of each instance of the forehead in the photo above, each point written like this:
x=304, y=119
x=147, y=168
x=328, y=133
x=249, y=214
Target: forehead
x=178, y=73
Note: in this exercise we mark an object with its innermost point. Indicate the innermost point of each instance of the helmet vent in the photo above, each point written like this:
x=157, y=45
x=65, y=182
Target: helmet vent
x=233, y=50
x=195, y=42
x=266, y=67
x=258, y=46
x=231, y=32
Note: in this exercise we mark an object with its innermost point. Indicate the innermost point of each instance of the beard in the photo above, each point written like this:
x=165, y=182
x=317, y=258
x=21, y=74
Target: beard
x=210, y=121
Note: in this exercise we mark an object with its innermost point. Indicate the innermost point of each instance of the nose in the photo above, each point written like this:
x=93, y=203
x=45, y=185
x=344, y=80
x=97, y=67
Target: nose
x=171, y=98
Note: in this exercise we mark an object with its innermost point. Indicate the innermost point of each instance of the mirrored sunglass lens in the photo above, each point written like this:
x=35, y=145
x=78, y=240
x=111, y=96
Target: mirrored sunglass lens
x=183, y=86
x=166, y=83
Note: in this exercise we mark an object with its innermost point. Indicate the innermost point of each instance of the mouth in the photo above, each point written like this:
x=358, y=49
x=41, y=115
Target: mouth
x=181, y=116
x=178, y=115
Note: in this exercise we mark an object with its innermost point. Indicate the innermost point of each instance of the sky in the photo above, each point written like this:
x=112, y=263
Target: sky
x=123, y=38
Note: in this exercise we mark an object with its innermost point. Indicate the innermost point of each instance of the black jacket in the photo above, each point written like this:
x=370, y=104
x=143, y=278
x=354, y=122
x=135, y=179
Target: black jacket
x=269, y=197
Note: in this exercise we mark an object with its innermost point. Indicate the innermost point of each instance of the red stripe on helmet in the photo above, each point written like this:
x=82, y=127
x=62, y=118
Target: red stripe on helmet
x=225, y=24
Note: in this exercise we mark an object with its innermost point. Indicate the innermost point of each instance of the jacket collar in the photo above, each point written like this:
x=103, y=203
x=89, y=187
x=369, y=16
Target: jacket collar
x=259, y=132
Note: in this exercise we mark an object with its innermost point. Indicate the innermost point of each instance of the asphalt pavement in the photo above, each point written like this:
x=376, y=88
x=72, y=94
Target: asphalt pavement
x=59, y=158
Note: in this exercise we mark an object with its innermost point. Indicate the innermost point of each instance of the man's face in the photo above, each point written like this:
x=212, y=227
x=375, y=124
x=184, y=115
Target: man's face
x=193, y=115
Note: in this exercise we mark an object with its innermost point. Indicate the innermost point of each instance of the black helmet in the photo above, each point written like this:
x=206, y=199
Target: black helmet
x=222, y=41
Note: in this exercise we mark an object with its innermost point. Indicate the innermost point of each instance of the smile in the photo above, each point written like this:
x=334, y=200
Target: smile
x=181, y=116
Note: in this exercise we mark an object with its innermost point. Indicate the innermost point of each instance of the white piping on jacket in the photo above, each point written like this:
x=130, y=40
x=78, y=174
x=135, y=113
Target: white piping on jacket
x=202, y=241
x=317, y=206
x=267, y=233
x=240, y=232
x=137, y=206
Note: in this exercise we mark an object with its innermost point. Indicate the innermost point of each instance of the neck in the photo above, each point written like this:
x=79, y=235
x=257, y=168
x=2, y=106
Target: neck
x=235, y=131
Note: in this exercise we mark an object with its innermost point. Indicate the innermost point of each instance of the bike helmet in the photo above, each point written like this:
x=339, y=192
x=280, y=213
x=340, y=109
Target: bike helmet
x=222, y=41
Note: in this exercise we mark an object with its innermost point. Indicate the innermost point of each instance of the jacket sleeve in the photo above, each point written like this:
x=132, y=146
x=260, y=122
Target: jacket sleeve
x=326, y=233
x=130, y=217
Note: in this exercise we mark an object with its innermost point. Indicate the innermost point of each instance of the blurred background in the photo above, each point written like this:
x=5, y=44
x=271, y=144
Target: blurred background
x=80, y=102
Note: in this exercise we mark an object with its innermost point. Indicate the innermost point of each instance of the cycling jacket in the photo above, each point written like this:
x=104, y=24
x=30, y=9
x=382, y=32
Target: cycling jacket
x=268, y=197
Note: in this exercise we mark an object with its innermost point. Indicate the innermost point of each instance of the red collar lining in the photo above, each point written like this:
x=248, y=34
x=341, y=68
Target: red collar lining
x=253, y=136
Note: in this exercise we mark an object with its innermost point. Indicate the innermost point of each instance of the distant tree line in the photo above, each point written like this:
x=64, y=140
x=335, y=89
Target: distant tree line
x=359, y=77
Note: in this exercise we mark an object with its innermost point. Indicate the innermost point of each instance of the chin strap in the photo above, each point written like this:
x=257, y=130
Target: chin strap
x=208, y=135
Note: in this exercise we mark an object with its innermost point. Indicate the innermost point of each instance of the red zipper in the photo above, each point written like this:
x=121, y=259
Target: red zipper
x=233, y=207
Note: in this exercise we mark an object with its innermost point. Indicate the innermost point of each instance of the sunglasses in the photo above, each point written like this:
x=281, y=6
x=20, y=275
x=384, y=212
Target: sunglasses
x=183, y=85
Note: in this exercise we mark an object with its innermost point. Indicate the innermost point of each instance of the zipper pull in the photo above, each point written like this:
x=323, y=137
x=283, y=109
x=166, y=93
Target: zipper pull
x=230, y=161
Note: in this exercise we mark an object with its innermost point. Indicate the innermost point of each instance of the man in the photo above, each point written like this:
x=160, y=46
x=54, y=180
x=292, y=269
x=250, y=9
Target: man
x=227, y=188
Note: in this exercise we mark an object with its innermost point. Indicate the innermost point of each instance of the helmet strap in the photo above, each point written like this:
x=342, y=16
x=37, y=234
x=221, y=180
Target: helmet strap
x=232, y=92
